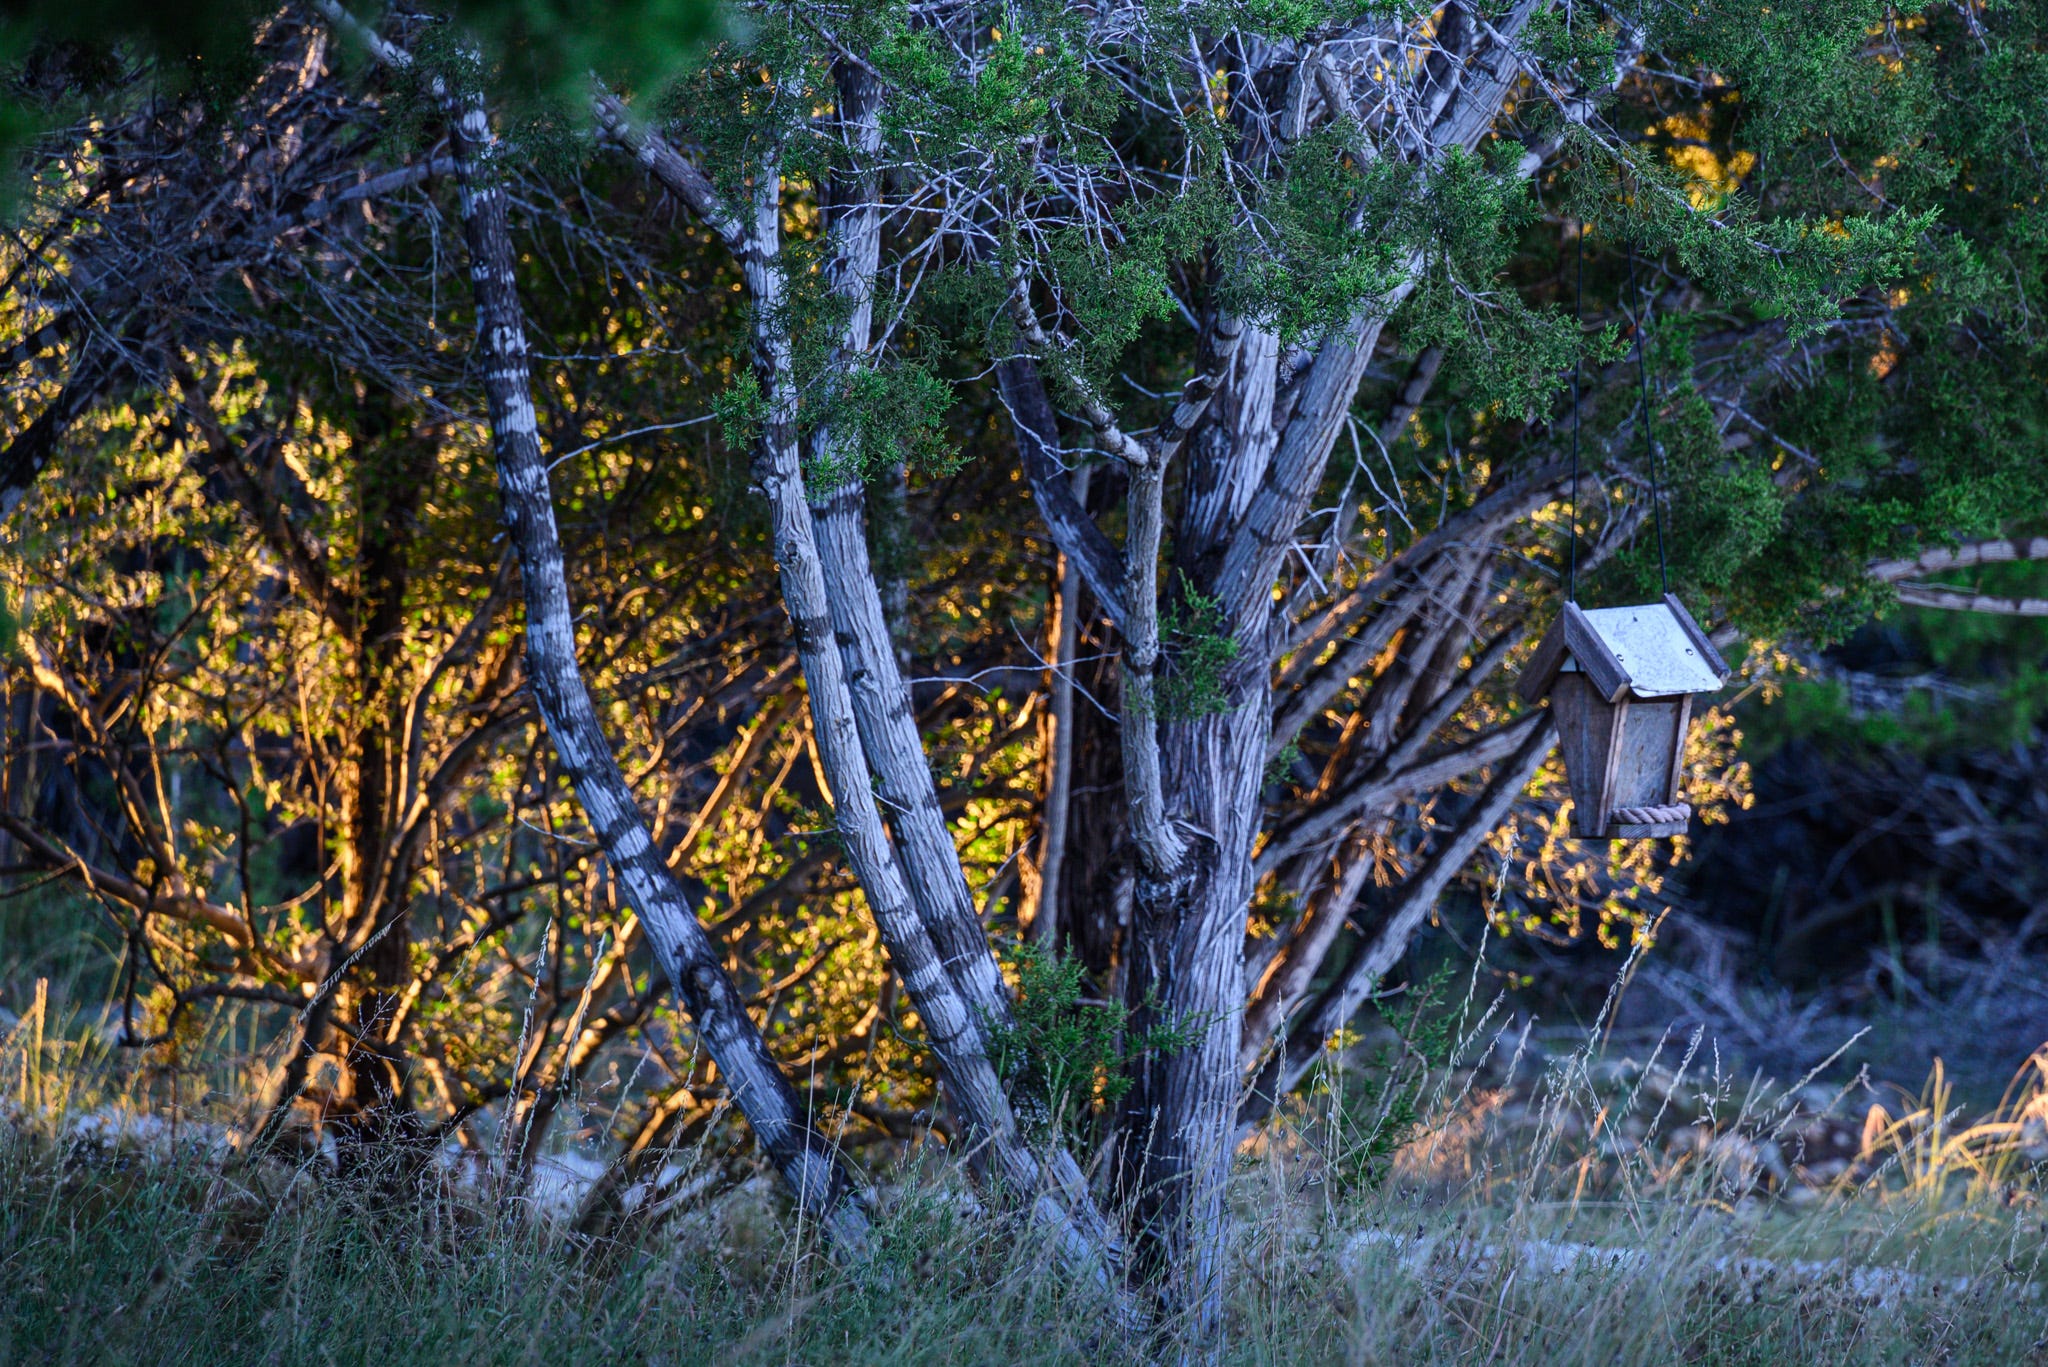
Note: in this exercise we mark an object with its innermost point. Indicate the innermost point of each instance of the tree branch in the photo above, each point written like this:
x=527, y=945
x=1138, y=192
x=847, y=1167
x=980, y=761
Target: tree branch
x=780, y=1120
x=1369, y=793
x=1342, y=1000
x=677, y=173
x=1092, y=553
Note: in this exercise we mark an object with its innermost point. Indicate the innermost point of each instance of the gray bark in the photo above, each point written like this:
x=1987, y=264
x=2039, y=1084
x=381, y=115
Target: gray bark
x=935, y=944
x=781, y=1124
x=1160, y=847
x=1188, y=938
x=952, y=1023
x=881, y=707
x=1186, y=972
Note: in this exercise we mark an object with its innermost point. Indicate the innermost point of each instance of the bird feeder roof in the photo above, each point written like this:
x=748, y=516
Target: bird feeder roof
x=1652, y=650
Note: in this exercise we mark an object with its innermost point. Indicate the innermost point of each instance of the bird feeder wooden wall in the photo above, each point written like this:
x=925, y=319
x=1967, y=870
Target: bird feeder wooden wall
x=1621, y=683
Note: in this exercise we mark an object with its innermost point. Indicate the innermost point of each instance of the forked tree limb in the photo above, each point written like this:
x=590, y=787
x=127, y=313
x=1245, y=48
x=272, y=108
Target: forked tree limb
x=860, y=709
x=1094, y=408
x=1260, y=542
x=888, y=728
x=1094, y=556
x=1160, y=847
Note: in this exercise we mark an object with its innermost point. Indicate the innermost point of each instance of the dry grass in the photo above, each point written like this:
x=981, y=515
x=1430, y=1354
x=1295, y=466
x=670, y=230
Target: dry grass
x=1473, y=1202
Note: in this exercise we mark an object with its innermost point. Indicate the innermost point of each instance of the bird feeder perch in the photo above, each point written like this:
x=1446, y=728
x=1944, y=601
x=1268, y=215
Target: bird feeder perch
x=1621, y=683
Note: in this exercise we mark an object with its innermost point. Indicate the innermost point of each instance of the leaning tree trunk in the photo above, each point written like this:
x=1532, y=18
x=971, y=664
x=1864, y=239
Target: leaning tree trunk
x=781, y=1123
x=881, y=705
x=945, y=965
x=843, y=643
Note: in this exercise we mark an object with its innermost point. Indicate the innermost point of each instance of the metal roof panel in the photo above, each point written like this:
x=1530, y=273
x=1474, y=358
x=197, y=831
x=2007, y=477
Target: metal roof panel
x=1655, y=650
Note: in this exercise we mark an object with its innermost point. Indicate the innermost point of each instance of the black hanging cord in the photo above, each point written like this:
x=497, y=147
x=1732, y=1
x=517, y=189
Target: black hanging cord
x=1571, y=528
x=1649, y=432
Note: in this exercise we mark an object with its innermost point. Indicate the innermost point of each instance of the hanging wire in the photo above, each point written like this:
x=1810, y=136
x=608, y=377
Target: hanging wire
x=1649, y=432
x=1571, y=528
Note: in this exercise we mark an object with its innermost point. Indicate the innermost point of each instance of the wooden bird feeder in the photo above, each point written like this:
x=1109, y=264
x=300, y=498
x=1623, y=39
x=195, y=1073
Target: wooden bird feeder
x=1621, y=682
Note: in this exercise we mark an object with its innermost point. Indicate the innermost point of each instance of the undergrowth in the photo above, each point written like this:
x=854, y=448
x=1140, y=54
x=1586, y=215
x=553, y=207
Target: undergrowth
x=1450, y=1194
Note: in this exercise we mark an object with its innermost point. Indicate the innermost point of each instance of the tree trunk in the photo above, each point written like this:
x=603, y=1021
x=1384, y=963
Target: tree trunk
x=1094, y=886
x=780, y=1120
x=948, y=980
x=860, y=622
x=1185, y=974
x=933, y=977
x=375, y=871
x=1059, y=782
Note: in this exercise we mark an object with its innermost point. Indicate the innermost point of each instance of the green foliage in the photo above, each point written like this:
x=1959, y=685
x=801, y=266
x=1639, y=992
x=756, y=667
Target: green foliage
x=1569, y=42
x=741, y=408
x=1065, y=1055
x=1851, y=185
x=745, y=104
x=894, y=415
x=1800, y=271
x=1719, y=514
x=1508, y=355
x=1323, y=246
x=1005, y=96
x=1196, y=650
x=1970, y=681
x=1112, y=289
x=547, y=49
x=539, y=53
x=1280, y=768
x=862, y=418
x=1377, y=1109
